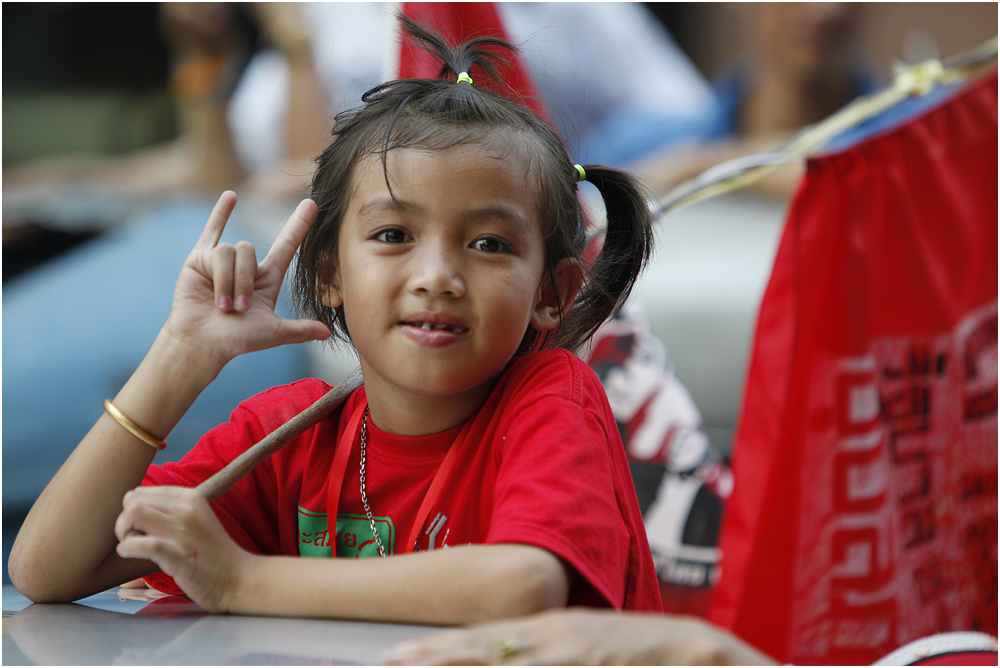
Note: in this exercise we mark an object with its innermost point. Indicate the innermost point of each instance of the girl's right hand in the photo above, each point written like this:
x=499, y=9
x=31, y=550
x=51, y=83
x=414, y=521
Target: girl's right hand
x=224, y=299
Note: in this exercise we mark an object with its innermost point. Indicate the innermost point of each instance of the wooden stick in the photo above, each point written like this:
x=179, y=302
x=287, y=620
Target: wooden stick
x=234, y=471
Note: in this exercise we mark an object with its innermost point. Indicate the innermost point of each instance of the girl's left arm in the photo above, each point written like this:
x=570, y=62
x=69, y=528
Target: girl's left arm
x=448, y=586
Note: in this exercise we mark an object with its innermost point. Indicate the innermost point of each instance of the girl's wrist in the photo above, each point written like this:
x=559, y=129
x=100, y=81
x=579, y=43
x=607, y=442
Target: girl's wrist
x=166, y=383
x=244, y=579
x=192, y=357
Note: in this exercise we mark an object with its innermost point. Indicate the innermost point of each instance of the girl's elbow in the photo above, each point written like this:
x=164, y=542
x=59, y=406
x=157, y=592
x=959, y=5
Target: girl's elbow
x=551, y=586
x=37, y=590
x=30, y=587
x=19, y=572
x=541, y=583
x=28, y=577
x=42, y=594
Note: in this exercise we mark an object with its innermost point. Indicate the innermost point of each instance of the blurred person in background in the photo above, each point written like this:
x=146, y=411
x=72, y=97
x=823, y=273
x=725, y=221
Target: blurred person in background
x=266, y=114
x=804, y=62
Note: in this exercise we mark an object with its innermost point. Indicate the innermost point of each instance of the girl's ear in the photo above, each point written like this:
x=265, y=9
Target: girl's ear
x=559, y=288
x=330, y=294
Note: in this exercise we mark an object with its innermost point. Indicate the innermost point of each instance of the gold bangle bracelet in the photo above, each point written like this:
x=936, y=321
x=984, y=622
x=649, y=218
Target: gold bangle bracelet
x=133, y=428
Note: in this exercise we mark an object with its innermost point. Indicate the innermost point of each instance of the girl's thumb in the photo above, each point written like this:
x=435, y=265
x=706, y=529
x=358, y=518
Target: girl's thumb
x=300, y=331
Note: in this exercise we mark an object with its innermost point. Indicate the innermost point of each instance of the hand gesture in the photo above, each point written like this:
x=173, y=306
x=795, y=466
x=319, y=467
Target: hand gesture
x=224, y=299
x=181, y=534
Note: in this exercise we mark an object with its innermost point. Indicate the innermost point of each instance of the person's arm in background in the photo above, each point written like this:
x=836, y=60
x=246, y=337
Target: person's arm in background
x=583, y=637
x=802, y=67
x=665, y=170
x=204, y=47
x=308, y=120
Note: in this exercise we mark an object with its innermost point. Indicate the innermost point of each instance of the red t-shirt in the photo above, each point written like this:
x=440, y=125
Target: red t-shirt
x=540, y=463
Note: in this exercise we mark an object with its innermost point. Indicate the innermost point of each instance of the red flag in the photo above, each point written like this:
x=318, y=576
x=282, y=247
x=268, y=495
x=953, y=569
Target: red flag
x=864, y=513
x=460, y=22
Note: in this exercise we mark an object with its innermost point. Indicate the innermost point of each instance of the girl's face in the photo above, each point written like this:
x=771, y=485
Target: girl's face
x=440, y=282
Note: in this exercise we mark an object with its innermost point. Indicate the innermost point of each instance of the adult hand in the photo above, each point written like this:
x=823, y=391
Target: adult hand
x=224, y=300
x=582, y=637
x=179, y=532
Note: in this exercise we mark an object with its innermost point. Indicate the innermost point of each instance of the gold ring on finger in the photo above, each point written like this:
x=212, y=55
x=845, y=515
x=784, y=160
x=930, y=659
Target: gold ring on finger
x=508, y=646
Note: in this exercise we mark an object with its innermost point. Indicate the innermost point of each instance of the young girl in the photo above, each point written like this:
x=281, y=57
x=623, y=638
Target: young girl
x=479, y=466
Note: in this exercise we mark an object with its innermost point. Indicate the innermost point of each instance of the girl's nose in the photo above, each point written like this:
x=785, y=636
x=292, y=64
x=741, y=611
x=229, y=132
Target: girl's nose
x=436, y=272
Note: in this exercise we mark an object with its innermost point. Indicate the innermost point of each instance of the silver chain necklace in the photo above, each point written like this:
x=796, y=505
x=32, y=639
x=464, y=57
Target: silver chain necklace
x=364, y=497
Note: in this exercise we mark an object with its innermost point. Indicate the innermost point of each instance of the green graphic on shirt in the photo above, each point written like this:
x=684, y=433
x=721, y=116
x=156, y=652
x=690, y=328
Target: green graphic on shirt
x=353, y=536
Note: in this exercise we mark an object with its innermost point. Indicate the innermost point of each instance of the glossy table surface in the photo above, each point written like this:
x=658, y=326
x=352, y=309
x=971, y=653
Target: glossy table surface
x=128, y=627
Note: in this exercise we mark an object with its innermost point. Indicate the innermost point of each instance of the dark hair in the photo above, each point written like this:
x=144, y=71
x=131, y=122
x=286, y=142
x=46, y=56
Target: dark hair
x=437, y=114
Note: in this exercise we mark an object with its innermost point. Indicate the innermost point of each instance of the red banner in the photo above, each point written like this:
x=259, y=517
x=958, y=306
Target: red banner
x=864, y=513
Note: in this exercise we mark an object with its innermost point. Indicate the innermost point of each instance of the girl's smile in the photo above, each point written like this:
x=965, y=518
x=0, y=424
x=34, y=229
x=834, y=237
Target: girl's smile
x=434, y=329
x=440, y=278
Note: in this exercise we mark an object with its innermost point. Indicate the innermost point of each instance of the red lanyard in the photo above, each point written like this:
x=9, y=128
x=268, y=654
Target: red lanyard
x=339, y=471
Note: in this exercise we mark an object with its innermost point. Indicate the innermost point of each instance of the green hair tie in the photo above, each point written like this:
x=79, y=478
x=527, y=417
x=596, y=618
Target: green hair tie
x=581, y=175
x=464, y=77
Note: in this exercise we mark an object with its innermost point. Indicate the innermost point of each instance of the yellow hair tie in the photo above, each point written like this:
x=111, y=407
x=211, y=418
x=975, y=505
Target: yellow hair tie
x=464, y=77
x=581, y=174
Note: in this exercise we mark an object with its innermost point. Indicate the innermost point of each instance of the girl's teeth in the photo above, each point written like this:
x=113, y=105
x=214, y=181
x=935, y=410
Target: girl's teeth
x=431, y=327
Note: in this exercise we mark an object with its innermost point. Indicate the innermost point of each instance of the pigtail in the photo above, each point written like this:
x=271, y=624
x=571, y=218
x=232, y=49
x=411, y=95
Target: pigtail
x=455, y=60
x=627, y=247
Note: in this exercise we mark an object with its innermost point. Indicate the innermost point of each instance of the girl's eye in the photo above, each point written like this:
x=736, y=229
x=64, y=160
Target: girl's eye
x=392, y=236
x=490, y=245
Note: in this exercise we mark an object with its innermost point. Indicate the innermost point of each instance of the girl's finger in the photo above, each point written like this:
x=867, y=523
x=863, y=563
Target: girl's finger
x=246, y=268
x=157, y=510
x=145, y=516
x=292, y=234
x=216, y=221
x=300, y=331
x=172, y=559
x=223, y=263
x=171, y=491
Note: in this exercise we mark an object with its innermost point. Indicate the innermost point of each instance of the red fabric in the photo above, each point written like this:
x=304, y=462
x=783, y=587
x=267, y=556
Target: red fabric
x=864, y=513
x=542, y=464
x=459, y=22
